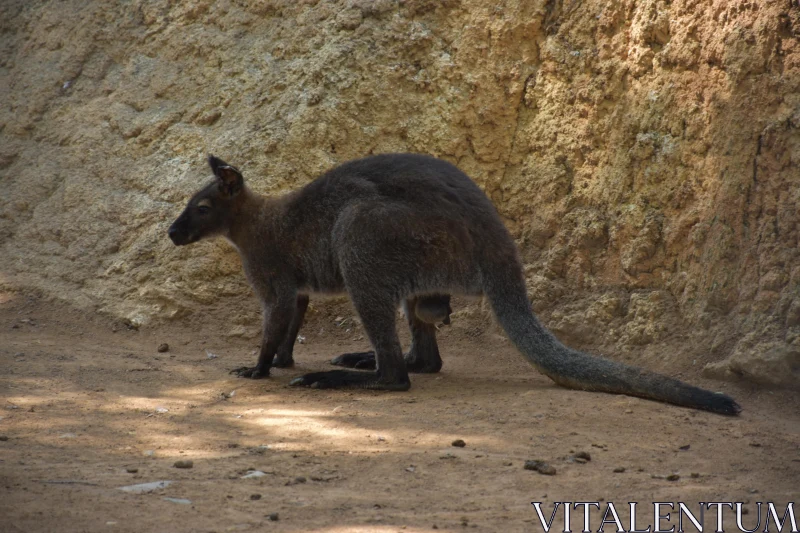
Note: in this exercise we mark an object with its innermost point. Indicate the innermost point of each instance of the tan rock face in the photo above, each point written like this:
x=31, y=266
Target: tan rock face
x=633, y=147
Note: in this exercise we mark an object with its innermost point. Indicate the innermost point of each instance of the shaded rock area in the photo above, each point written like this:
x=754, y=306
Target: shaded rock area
x=644, y=153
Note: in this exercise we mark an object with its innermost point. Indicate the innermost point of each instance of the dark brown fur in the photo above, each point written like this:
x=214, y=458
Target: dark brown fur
x=390, y=230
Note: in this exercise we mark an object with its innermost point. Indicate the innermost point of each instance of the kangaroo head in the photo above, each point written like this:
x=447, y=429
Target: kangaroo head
x=212, y=209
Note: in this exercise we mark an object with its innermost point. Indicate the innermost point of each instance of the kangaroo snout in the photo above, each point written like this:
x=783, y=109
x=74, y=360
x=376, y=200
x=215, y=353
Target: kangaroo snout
x=178, y=235
x=173, y=234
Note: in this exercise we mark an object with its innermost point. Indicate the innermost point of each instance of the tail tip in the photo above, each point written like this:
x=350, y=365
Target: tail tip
x=724, y=404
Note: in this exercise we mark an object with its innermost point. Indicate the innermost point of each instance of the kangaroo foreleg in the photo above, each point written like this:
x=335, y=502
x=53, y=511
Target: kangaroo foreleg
x=284, y=357
x=278, y=315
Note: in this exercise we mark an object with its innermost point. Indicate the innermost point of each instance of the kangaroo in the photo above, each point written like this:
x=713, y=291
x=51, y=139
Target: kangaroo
x=390, y=230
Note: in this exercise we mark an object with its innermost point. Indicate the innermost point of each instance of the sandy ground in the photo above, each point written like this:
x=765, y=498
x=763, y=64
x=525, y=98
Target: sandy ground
x=85, y=400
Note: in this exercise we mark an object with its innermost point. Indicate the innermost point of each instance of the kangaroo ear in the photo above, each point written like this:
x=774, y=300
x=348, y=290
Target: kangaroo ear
x=229, y=178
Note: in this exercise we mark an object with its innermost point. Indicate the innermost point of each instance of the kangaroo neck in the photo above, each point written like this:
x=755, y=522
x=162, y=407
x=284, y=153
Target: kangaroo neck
x=254, y=220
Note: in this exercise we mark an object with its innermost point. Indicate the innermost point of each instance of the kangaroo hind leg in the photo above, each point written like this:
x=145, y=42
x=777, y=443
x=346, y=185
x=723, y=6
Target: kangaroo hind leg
x=422, y=314
x=378, y=316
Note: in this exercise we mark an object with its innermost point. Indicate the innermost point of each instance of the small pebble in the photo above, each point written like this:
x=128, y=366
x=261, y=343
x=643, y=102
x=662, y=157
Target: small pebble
x=273, y=517
x=163, y=347
x=182, y=501
x=3, y=438
x=695, y=475
x=459, y=443
x=582, y=457
x=619, y=469
x=146, y=488
x=541, y=467
x=131, y=470
x=255, y=497
x=547, y=470
x=685, y=447
x=673, y=477
x=184, y=463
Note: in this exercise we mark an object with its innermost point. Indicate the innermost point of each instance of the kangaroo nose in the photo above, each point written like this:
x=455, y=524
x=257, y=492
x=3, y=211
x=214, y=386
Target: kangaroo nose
x=173, y=233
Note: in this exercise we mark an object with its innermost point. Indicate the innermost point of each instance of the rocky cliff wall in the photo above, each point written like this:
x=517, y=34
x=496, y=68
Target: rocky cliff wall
x=645, y=153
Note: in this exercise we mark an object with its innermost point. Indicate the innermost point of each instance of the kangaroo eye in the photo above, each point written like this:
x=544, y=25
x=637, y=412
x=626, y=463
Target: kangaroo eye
x=203, y=209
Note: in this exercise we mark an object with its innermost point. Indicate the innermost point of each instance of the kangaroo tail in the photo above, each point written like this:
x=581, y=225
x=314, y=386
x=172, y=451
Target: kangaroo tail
x=577, y=370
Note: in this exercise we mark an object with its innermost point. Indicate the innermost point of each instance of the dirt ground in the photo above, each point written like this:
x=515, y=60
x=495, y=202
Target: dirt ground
x=84, y=400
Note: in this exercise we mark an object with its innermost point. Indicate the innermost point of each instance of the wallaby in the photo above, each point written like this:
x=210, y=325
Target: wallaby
x=389, y=230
